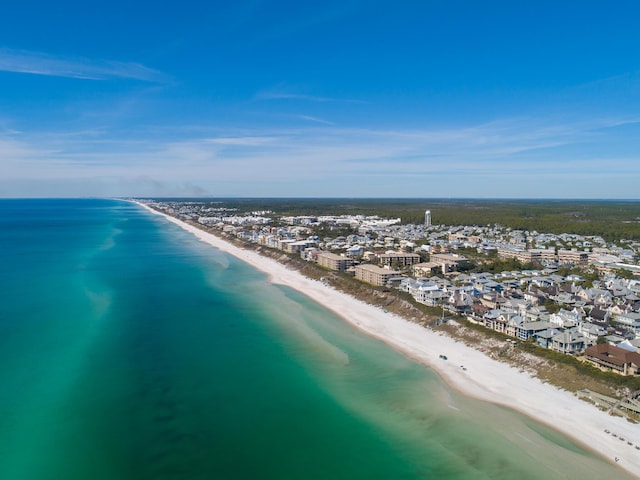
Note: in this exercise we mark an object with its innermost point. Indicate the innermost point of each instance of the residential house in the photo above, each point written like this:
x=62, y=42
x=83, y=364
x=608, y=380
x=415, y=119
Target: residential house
x=459, y=302
x=564, y=319
x=526, y=330
x=591, y=331
x=544, y=337
x=629, y=321
x=598, y=316
x=568, y=342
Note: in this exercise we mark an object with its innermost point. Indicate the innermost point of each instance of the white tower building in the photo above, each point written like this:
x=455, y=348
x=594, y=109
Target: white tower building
x=427, y=218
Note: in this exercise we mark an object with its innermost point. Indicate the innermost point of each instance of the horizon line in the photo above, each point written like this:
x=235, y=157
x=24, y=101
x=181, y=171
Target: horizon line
x=231, y=197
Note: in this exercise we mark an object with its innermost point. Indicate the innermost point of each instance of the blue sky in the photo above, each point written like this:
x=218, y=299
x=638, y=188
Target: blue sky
x=336, y=98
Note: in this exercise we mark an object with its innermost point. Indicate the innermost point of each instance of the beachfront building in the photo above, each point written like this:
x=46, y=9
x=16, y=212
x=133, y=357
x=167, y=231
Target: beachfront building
x=334, y=262
x=420, y=289
x=526, y=330
x=425, y=269
x=615, y=359
x=374, y=275
x=449, y=262
x=399, y=259
x=569, y=342
x=293, y=246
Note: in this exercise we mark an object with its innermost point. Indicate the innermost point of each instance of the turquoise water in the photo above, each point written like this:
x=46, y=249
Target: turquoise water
x=130, y=350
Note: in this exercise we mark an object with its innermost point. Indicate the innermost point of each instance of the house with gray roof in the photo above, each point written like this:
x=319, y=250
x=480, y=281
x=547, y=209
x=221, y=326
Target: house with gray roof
x=526, y=330
x=591, y=330
x=564, y=318
x=569, y=342
x=543, y=338
x=630, y=321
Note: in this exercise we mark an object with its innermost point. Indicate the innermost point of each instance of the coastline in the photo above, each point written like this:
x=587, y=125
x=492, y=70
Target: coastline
x=484, y=378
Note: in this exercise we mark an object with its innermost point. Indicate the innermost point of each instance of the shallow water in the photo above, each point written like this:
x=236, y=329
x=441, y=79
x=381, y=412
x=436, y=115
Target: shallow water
x=128, y=349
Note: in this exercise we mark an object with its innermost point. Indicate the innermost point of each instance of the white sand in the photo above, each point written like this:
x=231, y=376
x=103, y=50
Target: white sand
x=484, y=378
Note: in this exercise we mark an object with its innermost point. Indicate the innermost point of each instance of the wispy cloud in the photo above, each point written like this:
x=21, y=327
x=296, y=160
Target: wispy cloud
x=309, y=118
x=529, y=152
x=246, y=141
x=283, y=92
x=37, y=63
x=624, y=82
x=271, y=95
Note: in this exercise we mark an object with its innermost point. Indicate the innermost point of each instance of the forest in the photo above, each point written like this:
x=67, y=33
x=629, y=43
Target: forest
x=612, y=219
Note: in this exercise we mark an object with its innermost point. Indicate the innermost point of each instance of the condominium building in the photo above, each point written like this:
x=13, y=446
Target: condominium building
x=572, y=256
x=526, y=256
x=374, y=275
x=448, y=261
x=399, y=259
x=334, y=262
x=615, y=359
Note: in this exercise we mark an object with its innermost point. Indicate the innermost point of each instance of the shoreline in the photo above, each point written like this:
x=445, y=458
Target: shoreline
x=484, y=378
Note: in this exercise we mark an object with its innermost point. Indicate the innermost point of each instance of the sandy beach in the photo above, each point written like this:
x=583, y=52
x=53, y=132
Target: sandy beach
x=483, y=378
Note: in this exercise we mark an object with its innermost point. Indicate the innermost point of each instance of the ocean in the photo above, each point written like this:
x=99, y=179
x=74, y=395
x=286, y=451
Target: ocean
x=131, y=350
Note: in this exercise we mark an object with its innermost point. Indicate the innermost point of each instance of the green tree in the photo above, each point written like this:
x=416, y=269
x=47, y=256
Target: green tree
x=623, y=273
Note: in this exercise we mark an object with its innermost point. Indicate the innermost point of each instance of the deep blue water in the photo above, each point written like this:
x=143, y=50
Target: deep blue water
x=130, y=350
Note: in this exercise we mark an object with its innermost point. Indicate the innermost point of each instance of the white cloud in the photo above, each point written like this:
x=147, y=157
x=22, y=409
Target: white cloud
x=37, y=63
x=291, y=96
x=241, y=141
x=337, y=161
x=284, y=92
x=314, y=119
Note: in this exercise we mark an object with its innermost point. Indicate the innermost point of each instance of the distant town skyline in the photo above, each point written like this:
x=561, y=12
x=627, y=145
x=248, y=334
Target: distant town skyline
x=347, y=98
